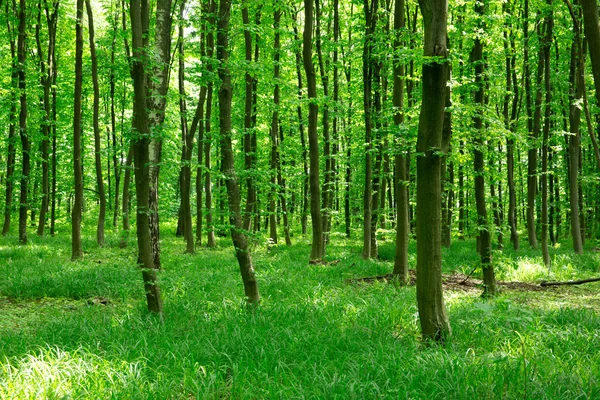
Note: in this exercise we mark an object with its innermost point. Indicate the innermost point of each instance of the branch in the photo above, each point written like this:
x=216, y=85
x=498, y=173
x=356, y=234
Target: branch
x=545, y=283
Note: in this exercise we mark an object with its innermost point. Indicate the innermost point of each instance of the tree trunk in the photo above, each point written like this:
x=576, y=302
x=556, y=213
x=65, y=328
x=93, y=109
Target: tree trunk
x=370, y=23
x=210, y=229
x=430, y=301
x=545, y=137
x=76, y=246
x=156, y=98
x=188, y=144
x=10, y=159
x=318, y=245
x=510, y=125
x=97, y=146
x=125, y=207
x=305, y=190
x=249, y=155
x=46, y=82
x=140, y=20
x=240, y=241
x=483, y=227
x=323, y=69
x=400, y=164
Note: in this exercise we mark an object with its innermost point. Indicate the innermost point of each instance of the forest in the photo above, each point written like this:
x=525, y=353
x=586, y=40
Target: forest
x=408, y=190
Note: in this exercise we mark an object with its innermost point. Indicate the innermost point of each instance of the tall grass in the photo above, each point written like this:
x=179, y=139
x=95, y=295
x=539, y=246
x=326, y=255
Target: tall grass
x=314, y=335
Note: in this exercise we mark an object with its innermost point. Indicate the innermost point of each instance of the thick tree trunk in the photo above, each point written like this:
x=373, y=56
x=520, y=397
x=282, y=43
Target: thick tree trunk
x=96, y=124
x=430, y=301
x=318, y=244
x=240, y=240
x=146, y=117
x=76, y=246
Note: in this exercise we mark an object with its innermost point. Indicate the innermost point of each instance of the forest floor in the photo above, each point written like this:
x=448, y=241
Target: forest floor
x=80, y=329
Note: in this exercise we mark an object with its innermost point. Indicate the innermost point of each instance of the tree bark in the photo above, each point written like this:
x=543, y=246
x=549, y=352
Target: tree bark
x=125, y=206
x=370, y=23
x=318, y=244
x=96, y=124
x=10, y=159
x=239, y=238
x=140, y=21
x=156, y=99
x=546, y=134
x=400, y=164
x=510, y=126
x=489, y=279
x=188, y=143
x=430, y=301
x=76, y=246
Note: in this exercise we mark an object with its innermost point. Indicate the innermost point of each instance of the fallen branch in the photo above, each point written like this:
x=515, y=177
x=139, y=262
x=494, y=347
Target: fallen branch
x=544, y=283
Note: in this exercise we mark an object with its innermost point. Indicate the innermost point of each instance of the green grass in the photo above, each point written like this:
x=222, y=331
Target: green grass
x=314, y=336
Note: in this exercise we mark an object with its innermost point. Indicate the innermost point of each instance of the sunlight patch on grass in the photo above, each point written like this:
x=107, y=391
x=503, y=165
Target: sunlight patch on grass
x=54, y=373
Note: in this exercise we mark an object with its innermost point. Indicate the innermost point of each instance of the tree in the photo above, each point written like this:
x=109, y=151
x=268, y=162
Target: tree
x=430, y=301
x=148, y=114
x=96, y=124
x=400, y=161
x=490, y=288
x=239, y=238
x=318, y=243
x=10, y=159
x=76, y=246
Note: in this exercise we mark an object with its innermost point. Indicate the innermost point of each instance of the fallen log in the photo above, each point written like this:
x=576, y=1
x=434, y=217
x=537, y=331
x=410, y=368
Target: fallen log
x=545, y=283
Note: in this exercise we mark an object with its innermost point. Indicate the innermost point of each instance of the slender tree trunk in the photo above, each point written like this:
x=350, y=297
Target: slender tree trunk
x=370, y=23
x=318, y=245
x=46, y=82
x=117, y=160
x=54, y=69
x=76, y=246
x=446, y=149
x=96, y=124
x=125, y=206
x=509, y=124
x=430, y=300
x=305, y=190
x=25, y=145
x=489, y=279
x=323, y=69
x=249, y=157
x=210, y=228
x=210, y=46
x=188, y=143
x=10, y=159
x=545, y=138
x=400, y=159
x=240, y=241
x=156, y=99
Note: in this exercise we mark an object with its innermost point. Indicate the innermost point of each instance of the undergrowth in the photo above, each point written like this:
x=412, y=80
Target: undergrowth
x=80, y=330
